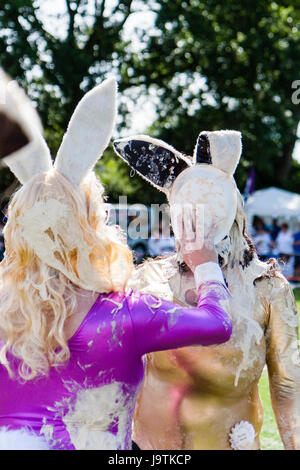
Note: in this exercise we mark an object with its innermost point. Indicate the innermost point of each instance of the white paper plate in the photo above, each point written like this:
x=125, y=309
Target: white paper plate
x=212, y=192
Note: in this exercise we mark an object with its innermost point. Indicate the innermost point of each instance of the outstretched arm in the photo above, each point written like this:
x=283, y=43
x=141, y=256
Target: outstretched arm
x=283, y=363
x=161, y=325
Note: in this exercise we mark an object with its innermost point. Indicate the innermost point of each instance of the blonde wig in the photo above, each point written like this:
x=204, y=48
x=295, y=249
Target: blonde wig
x=56, y=238
x=35, y=298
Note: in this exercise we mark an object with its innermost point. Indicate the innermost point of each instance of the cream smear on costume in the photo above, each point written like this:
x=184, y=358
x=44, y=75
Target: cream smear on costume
x=89, y=419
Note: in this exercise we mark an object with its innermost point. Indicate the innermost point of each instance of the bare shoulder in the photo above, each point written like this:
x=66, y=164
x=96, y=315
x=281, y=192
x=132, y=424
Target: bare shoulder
x=273, y=284
x=278, y=292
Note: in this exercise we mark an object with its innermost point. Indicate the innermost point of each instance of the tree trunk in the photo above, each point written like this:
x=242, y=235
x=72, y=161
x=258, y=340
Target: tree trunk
x=286, y=158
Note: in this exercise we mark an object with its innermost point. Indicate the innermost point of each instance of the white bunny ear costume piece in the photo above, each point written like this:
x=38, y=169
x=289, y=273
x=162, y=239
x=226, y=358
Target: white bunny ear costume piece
x=32, y=156
x=222, y=149
x=185, y=182
x=88, y=133
x=31, y=160
x=51, y=225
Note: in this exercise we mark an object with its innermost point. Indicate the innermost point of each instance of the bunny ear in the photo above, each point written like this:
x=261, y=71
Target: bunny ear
x=22, y=146
x=222, y=149
x=31, y=160
x=202, y=150
x=156, y=161
x=12, y=136
x=89, y=132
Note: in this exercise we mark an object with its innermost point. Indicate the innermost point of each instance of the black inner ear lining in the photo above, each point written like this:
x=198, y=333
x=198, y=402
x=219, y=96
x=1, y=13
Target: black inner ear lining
x=202, y=152
x=155, y=163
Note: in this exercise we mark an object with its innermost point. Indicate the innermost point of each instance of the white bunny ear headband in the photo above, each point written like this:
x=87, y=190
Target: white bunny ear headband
x=160, y=164
x=87, y=136
x=206, y=181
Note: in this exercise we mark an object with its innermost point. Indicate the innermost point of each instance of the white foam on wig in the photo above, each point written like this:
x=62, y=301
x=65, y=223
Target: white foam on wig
x=56, y=216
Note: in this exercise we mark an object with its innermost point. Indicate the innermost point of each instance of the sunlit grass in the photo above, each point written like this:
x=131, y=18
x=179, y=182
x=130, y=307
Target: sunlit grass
x=270, y=439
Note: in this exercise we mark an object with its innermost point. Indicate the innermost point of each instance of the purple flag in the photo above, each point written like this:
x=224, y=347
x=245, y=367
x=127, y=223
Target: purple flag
x=250, y=184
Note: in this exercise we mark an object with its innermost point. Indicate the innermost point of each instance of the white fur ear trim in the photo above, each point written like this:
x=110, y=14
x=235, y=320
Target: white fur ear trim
x=225, y=149
x=34, y=157
x=89, y=132
x=31, y=160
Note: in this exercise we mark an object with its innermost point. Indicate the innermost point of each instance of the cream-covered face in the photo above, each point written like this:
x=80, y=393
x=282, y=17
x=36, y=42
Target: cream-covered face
x=208, y=192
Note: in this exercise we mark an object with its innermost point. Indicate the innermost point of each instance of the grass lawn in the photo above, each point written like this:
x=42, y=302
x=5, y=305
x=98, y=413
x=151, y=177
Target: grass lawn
x=270, y=439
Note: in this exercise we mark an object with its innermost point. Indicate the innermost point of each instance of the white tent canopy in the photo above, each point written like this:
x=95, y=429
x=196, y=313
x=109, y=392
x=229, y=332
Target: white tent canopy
x=273, y=202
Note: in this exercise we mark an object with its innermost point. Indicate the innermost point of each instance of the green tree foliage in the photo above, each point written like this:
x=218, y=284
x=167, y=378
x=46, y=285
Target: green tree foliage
x=212, y=65
x=118, y=179
x=228, y=65
x=57, y=68
x=68, y=63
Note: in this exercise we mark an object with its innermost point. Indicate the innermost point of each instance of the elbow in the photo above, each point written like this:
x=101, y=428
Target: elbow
x=228, y=332
x=225, y=331
x=221, y=332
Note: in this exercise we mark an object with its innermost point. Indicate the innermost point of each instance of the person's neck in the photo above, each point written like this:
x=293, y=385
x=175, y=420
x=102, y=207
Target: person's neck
x=84, y=298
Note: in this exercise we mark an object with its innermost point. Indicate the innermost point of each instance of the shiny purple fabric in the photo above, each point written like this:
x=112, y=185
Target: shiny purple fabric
x=109, y=347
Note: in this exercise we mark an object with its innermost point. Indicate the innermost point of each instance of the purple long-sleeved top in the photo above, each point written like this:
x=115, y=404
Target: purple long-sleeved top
x=88, y=402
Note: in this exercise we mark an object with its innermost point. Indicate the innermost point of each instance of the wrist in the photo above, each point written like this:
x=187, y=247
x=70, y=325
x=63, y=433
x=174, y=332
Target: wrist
x=208, y=271
x=197, y=258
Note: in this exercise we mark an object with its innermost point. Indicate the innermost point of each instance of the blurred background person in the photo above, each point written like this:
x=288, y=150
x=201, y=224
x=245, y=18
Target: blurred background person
x=274, y=229
x=284, y=249
x=263, y=241
x=284, y=241
x=161, y=242
x=257, y=223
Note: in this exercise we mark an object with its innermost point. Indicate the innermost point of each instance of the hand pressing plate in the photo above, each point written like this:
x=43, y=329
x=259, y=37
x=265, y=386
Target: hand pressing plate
x=210, y=193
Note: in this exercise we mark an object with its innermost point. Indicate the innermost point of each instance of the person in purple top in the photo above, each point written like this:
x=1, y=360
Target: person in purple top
x=72, y=335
